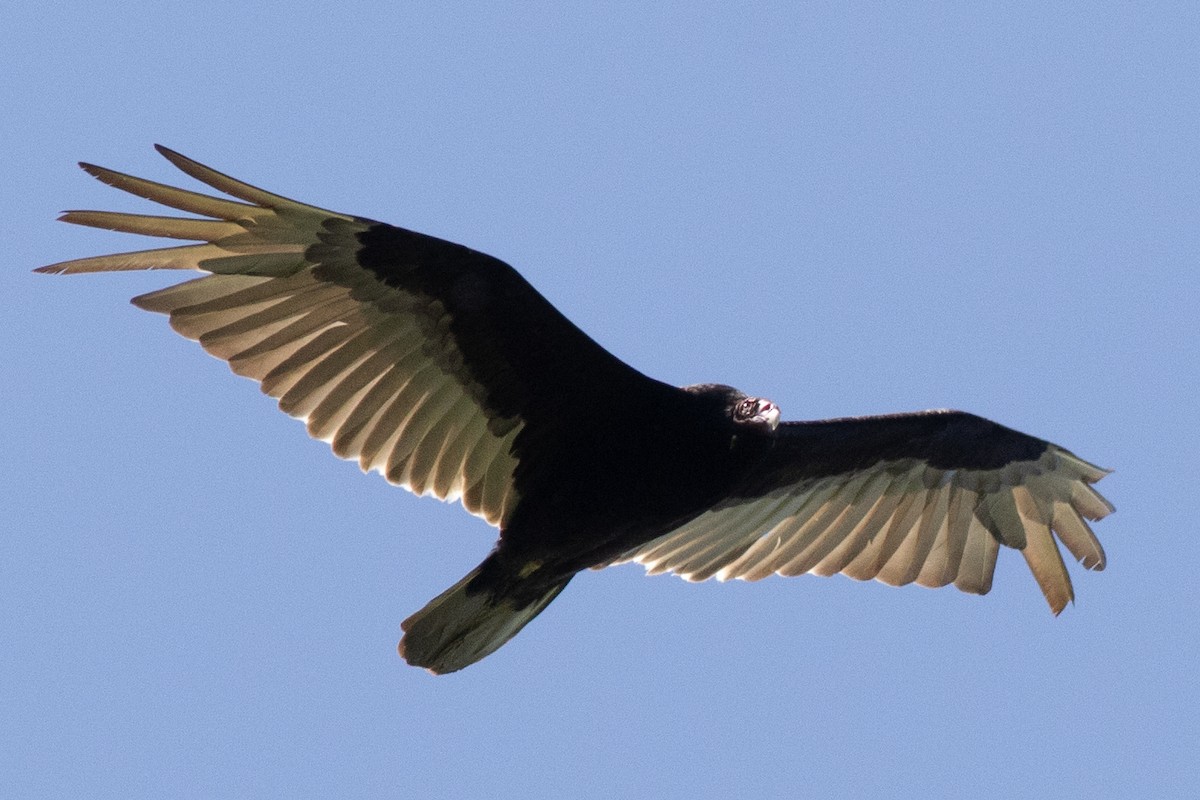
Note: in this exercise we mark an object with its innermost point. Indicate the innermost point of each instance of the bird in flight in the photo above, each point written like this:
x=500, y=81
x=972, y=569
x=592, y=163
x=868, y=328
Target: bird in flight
x=444, y=370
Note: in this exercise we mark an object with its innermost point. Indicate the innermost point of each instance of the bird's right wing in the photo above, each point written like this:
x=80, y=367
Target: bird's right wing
x=422, y=359
x=926, y=497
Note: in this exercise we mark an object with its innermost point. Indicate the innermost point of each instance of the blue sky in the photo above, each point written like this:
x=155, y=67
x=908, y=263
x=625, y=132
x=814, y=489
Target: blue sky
x=848, y=209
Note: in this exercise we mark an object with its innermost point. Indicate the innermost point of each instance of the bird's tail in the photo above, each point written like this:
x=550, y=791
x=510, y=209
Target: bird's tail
x=464, y=624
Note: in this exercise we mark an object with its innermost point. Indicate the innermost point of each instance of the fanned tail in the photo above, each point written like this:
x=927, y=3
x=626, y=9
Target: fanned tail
x=461, y=626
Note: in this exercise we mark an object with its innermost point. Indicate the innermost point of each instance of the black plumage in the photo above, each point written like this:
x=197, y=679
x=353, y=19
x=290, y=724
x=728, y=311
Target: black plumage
x=443, y=369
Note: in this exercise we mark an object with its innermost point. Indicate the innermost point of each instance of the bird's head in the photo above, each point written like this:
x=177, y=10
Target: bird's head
x=755, y=412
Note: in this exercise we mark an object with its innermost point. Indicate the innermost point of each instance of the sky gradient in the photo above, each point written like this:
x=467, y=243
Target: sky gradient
x=847, y=210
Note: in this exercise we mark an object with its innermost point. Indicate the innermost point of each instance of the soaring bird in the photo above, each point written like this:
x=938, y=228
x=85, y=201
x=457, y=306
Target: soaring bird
x=441, y=368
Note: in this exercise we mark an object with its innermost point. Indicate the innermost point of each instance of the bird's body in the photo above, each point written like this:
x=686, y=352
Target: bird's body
x=621, y=480
x=443, y=369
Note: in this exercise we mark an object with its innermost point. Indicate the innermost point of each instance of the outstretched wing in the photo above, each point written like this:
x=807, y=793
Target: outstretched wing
x=924, y=497
x=433, y=364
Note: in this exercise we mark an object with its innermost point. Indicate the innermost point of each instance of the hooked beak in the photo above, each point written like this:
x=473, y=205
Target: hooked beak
x=769, y=413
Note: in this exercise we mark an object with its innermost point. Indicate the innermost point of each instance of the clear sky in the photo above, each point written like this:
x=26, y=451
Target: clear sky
x=848, y=208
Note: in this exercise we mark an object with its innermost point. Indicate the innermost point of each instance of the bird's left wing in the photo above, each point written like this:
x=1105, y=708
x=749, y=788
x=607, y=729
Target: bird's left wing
x=421, y=359
x=925, y=497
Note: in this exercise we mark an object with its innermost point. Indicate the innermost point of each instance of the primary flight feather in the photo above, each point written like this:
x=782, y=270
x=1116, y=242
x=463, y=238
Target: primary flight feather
x=442, y=369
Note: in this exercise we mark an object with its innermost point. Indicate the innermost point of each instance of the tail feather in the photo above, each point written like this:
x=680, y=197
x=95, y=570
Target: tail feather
x=458, y=628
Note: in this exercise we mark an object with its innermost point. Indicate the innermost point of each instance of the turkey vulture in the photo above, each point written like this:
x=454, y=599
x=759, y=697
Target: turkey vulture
x=441, y=368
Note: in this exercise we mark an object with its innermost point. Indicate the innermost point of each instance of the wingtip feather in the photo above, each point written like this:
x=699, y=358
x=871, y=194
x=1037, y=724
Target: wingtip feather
x=102, y=174
x=179, y=160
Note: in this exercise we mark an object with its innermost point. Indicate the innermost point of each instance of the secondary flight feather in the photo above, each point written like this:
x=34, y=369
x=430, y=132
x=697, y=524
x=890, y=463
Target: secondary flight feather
x=445, y=371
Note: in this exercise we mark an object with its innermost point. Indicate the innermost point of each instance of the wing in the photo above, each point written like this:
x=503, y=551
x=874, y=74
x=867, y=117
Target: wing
x=924, y=497
x=438, y=366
